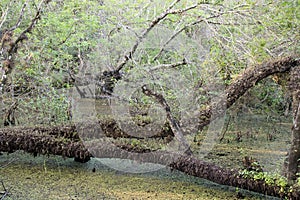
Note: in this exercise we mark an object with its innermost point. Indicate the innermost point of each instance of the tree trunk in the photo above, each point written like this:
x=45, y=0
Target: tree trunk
x=246, y=81
x=292, y=163
x=38, y=142
x=44, y=141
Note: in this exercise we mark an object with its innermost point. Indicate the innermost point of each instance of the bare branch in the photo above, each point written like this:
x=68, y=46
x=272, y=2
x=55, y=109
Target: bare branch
x=180, y=31
x=179, y=11
x=173, y=4
x=172, y=121
x=13, y=160
x=23, y=36
x=168, y=65
x=4, y=15
x=5, y=192
x=218, y=14
x=152, y=24
x=20, y=17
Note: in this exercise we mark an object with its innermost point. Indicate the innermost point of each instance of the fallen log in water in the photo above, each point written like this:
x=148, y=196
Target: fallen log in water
x=38, y=142
x=192, y=166
x=109, y=128
x=67, y=131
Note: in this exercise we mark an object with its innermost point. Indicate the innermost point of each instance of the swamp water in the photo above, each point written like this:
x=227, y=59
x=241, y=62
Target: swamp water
x=53, y=177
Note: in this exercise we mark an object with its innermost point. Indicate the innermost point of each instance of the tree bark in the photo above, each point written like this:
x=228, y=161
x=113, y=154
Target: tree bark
x=246, y=81
x=44, y=141
x=38, y=142
x=292, y=163
x=175, y=127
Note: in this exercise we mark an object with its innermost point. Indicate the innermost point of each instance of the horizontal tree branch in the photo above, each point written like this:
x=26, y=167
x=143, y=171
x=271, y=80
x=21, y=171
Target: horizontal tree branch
x=5, y=191
x=173, y=65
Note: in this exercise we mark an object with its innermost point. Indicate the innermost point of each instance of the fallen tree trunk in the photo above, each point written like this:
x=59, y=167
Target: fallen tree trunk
x=67, y=131
x=40, y=141
x=37, y=143
x=109, y=128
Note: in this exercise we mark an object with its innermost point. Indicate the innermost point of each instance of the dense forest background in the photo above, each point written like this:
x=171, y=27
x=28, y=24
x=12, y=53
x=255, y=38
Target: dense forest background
x=57, y=43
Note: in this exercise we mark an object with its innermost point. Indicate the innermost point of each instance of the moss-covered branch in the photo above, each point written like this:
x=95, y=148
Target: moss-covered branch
x=41, y=142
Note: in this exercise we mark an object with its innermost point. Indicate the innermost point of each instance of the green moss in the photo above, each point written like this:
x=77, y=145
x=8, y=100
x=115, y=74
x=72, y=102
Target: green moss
x=55, y=178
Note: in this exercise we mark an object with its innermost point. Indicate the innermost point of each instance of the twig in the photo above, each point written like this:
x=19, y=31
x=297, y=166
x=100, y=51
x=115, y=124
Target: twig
x=9, y=163
x=168, y=65
x=182, y=29
x=23, y=36
x=5, y=192
x=20, y=17
x=190, y=25
x=4, y=14
x=226, y=128
x=66, y=39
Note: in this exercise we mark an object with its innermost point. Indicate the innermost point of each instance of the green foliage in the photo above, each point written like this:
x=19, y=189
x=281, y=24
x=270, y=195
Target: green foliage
x=268, y=98
x=65, y=31
x=77, y=37
x=135, y=142
x=48, y=107
x=273, y=179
